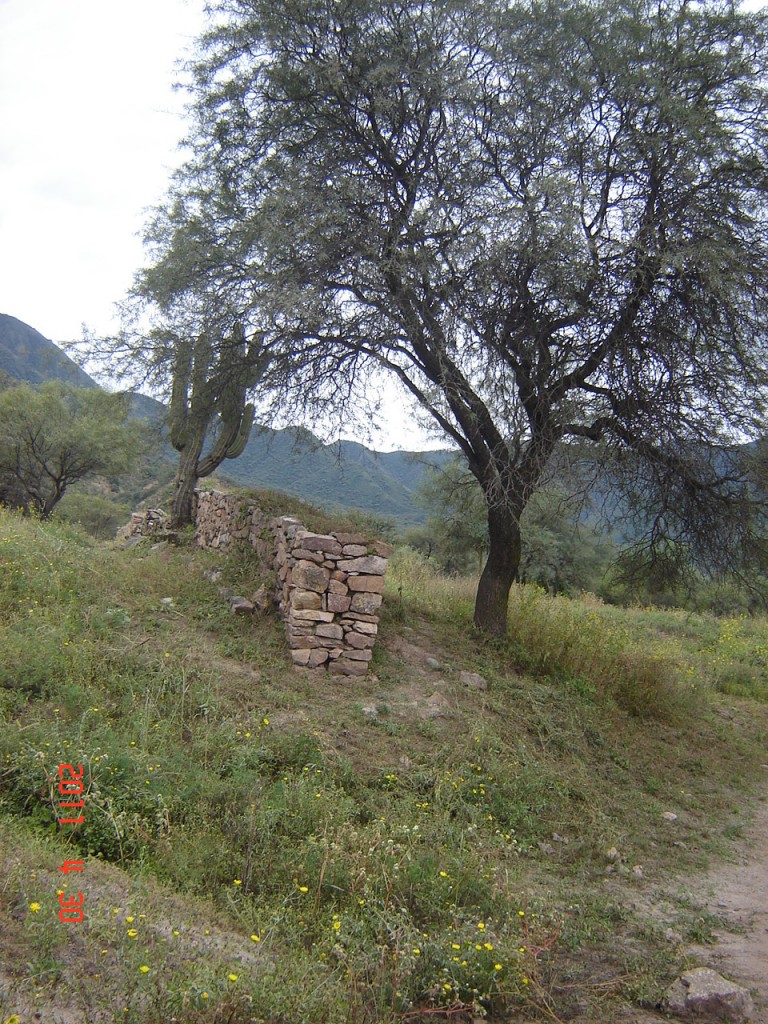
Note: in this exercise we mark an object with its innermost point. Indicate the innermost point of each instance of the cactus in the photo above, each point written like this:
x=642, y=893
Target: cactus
x=210, y=382
x=230, y=442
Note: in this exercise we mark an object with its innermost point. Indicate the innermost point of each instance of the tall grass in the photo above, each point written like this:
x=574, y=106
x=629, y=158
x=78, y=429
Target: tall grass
x=564, y=638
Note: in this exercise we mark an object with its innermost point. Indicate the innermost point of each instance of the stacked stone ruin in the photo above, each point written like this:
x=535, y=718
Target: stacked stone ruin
x=144, y=524
x=329, y=586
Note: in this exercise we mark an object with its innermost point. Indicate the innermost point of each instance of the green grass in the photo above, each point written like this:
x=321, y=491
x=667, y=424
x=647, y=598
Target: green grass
x=348, y=851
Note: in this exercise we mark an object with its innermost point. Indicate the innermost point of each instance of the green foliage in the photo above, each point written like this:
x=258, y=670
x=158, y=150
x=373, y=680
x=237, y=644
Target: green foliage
x=57, y=434
x=98, y=516
x=516, y=210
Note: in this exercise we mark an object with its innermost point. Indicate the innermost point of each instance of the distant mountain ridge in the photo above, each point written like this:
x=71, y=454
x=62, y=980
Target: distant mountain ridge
x=29, y=356
x=340, y=475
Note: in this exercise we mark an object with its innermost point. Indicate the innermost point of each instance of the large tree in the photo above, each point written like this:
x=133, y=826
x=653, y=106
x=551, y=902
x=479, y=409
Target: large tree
x=546, y=219
x=57, y=434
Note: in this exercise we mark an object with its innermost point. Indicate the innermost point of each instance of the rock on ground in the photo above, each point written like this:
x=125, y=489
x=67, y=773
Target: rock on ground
x=707, y=996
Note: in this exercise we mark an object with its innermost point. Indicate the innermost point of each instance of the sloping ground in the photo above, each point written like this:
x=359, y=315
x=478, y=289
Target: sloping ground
x=317, y=844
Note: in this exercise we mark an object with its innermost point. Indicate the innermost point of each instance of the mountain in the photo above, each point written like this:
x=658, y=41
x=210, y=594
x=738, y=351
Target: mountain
x=26, y=355
x=342, y=475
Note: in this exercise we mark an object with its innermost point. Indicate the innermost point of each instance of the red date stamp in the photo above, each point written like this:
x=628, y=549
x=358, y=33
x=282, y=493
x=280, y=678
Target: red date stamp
x=71, y=788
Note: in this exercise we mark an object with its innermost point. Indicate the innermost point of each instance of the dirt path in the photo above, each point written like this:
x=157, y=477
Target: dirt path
x=738, y=893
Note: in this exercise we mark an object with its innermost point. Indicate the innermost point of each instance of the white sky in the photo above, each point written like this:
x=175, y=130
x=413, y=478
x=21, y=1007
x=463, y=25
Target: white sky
x=89, y=132
x=89, y=127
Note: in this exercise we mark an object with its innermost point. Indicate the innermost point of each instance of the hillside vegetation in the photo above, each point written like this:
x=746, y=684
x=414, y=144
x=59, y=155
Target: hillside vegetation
x=267, y=844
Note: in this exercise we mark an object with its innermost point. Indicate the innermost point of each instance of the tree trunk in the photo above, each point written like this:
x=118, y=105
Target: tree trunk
x=500, y=572
x=186, y=481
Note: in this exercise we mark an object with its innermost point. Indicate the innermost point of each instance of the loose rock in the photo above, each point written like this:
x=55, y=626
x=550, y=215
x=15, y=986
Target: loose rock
x=707, y=996
x=472, y=681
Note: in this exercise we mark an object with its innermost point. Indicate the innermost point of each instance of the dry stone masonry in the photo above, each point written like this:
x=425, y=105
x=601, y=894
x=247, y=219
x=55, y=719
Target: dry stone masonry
x=329, y=586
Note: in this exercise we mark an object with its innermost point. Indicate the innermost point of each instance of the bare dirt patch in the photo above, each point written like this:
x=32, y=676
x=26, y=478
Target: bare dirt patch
x=738, y=894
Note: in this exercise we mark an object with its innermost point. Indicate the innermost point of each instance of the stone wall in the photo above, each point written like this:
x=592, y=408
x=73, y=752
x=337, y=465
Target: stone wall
x=329, y=586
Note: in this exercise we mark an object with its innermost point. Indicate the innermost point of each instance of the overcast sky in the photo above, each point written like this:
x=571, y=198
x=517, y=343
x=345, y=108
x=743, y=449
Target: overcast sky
x=89, y=127
x=89, y=132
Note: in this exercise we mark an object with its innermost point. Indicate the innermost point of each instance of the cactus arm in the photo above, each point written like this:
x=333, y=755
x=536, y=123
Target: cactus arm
x=230, y=442
x=237, y=447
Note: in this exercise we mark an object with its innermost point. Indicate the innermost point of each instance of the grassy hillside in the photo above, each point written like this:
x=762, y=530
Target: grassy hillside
x=265, y=844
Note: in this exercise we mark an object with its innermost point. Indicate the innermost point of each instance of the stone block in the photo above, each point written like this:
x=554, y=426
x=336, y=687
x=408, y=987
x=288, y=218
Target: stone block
x=303, y=642
x=342, y=667
x=309, y=576
x=338, y=602
x=330, y=643
x=706, y=995
x=301, y=656
x=366, y=603
x=357, y=655
x=354, y=550
x=367, y=628
x=302, y=554
x=318, y=542
x=317, y=657
x=373, y=564
x=351, y=617
x=303, y=615
x=369, y=584
x=473, y=681
x=330, y=629
x=336, y=586
x=358, y=641
x=351, y=538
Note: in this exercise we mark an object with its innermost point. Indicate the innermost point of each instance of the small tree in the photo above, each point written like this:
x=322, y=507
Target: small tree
x=55, y=435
